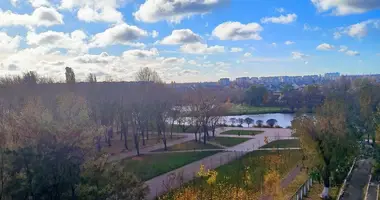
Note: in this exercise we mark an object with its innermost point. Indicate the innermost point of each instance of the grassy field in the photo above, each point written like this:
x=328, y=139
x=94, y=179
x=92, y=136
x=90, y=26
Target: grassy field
x=149, y=166
x=238, y=109
x=282, y=144
x=190, y=145
x=241, y=132
x=229, y=141
x=246, y=173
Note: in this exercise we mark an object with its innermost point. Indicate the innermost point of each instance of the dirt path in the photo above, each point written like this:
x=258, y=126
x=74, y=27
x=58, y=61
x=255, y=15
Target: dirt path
x=359, y=179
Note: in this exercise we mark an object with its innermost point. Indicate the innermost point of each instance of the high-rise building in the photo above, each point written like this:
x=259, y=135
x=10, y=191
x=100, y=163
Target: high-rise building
x=224, y=81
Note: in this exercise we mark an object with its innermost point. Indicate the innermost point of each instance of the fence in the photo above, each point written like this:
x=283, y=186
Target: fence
x=303, y=190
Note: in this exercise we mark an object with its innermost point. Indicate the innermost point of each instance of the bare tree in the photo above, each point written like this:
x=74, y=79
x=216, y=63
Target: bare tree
x=148, y=75
x=91, y=78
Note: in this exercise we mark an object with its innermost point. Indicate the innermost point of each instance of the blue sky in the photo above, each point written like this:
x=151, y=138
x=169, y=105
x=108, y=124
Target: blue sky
x=189, y=40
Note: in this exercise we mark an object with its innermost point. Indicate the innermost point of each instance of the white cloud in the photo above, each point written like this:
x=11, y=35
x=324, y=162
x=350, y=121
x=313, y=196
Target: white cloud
x=337, y=35
x=174, y=10
x=307, y=27
x=39, y=3
x=283, y=19
x=247, y=55
x=120, y=34
x=298, y=55
x=155, y=34
x=325, y=47
x=343, y=48
x=358, y=30
x=192, y=62
x=101, y=59
x=41, y=16
x=237, y=31
x=352, y=53
x=188, y=72
x=173, y=60
x=182, y=36
x=74, y=41
x=9, y=43
x=106, y=14
x=280, y=10
x=346, y=7
x=14, y=2
x=274, y=44
x=236, y=49
x=199, y=48
x=141, y=54
x=95, y=10
x=289, y=42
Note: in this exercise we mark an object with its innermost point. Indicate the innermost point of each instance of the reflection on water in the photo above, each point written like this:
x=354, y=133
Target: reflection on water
x=283, y=119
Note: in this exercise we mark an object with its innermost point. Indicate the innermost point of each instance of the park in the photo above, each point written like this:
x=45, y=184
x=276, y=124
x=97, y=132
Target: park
x=149, y=140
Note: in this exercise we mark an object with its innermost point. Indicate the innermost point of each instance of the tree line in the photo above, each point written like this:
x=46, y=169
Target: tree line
x=52, y=136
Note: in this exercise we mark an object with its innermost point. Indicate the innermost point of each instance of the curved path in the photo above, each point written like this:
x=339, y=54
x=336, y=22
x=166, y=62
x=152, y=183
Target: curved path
x=163, y=183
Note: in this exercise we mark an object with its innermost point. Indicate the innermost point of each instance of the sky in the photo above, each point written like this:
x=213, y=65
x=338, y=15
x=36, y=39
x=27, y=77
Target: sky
x=189, y=40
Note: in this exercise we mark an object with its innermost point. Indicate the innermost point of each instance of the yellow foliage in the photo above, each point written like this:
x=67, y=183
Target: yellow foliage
x=272, y=183
x=210, y=174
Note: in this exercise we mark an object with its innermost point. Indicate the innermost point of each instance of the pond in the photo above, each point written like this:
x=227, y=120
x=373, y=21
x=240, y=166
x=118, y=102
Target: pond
x=283, y=119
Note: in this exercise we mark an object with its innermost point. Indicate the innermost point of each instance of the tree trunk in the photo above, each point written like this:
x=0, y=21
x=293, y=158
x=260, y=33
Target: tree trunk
x=213, y=130
x=143, y=135
x=171, y=130
x=135, y=138
x=109, y=135
x=326, y=183
x=98, y=144
x=124, y=131
x=205, y=133
x=1, y=173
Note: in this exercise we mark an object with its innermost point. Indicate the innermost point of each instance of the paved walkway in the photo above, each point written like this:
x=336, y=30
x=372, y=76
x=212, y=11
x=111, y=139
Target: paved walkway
x=163, y=183
x=372, y=192
x=358, y=180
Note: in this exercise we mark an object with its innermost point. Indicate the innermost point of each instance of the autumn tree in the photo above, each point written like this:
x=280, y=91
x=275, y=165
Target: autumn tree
x=255, y=95
x=47, y=147
x=326, y=140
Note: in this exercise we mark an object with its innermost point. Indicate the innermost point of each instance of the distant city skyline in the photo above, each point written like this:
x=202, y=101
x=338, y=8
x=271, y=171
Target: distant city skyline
x=187, y=40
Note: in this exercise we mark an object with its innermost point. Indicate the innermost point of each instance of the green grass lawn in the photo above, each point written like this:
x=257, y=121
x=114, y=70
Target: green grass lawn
x=239, y=109
x=282, y=144
x=149, y=166
x=229, y=141
x=190, y=145
x=241, y=132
